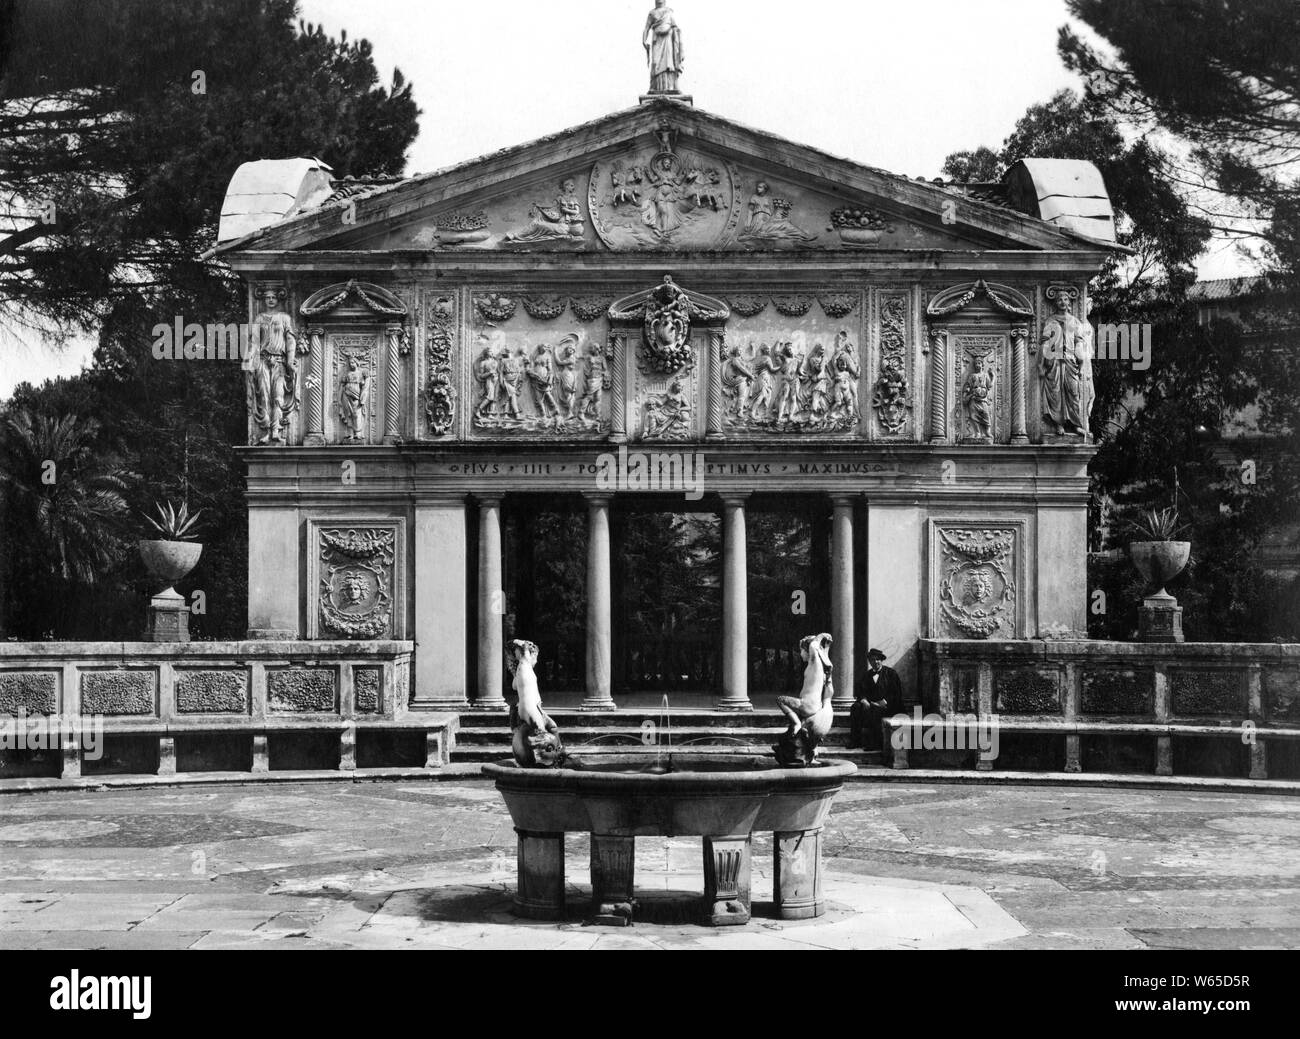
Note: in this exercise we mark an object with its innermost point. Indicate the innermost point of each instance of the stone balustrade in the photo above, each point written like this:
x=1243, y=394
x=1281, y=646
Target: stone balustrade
x=259, y=688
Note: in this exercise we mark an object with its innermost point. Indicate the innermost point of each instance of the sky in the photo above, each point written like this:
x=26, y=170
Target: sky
x=896, y=84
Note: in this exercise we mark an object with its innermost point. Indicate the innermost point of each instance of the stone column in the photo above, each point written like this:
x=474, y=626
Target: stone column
x=1019, y=388
x=735, y=608
x=717, y=347
x=843, y=626
x=491, y=607
x=315, y=383
x=938, y=386
x=440, y=582
x=599, y=598
x=618, y=392
x=397, y=348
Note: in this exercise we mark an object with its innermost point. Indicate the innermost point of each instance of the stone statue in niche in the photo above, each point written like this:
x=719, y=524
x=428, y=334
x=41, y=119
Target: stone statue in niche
x=1065, y=367
x=977, y=397
x=271, y=371
x=668, y=415
x=785, y=387
x=811, y=713
x=536, y=742
x=354, y=396
x=769, y=219
x=663, y=49
x=560, y=222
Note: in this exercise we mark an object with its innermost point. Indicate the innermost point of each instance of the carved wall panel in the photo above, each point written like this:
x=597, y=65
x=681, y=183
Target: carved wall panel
x=790, y=368
x=366, y=682
x=302, y=690
x=212, y=692
x=355, y=575
x=440, y=366
x=976, y=577
x=537, y=370
x=119, y=692
x=668, y=402
x=32, y=692
x=1281, y=692
x=1027, y=691
x=893, y=371
x=1109, y=691
x=1207, y=692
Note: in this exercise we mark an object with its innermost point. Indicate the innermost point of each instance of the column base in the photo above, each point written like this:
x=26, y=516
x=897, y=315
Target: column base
x=732, y=703
x=597, y=704
x=490, y=705
x=314, y=440
x=727, y=881
x=392, y=440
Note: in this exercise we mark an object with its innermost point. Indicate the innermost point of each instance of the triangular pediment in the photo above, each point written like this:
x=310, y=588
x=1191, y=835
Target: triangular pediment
x=662, y=177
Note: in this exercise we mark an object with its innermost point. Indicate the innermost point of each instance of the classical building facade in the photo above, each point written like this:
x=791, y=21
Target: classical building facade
x=664, y=310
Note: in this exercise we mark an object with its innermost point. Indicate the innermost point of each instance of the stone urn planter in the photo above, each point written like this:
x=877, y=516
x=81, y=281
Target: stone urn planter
x=168, y=562
x=1159, y=562
x=168, y=559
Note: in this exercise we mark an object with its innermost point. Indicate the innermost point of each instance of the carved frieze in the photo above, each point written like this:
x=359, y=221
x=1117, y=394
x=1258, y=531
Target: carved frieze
x=440, y=392
x=356, y=574
x=786, y=386
x=590, y=308
x=861, y=226
x=977, y=583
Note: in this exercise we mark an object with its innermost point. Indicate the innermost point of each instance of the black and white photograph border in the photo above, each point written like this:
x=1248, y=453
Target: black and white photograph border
x=651, y=475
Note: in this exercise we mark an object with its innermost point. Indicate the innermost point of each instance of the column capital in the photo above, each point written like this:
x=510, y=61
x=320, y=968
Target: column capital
x=490, y=501
x=438, y=499
x=846, y=500
x=596, y=498
x=737, y=498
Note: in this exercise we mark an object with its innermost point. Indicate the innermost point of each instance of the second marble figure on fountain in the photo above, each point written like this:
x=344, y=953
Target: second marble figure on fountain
x=536, y=742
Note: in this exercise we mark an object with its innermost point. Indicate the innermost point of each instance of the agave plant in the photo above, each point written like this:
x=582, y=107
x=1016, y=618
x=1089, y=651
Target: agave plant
x=1158, y=525
x=172, y=524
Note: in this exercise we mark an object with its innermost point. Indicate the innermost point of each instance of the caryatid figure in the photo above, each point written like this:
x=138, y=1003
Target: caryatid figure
x=663, y=49
x=271, y=372
x=1065, y=367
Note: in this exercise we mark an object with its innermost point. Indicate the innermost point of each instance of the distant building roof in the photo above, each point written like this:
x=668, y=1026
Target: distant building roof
x=267, y=191
x=1228, y=288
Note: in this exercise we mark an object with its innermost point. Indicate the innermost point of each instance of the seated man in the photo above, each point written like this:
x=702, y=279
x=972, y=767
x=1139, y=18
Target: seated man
x=880, y=697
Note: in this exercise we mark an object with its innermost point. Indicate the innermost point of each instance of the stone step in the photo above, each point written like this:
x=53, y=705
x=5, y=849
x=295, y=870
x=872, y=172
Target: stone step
x=863, y=759
x=573, y=719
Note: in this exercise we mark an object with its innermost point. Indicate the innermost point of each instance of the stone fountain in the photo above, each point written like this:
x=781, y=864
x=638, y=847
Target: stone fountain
x=722, y=798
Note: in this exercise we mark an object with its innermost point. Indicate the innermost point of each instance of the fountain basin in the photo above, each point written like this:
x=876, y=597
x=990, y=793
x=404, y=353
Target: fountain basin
x=723, y=798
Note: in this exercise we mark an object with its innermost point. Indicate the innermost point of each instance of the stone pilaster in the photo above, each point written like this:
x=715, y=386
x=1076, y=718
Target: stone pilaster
x=1019, y=388
x=938, y=386
x=315, y=382
x=441, y=602
x=717, y=346
x=393, y=384
x=618, y=392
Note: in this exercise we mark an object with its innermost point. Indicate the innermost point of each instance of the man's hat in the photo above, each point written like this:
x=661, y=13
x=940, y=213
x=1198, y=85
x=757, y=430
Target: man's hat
x=875, y=654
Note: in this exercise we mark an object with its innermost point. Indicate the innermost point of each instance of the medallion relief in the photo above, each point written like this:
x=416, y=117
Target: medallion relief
x=976, y=576
x=355, y=591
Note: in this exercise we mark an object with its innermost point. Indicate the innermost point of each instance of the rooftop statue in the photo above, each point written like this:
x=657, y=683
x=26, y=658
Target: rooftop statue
x=663, y=48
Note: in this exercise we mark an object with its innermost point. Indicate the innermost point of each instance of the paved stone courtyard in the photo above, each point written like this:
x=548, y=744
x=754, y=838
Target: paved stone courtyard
x=431, y=864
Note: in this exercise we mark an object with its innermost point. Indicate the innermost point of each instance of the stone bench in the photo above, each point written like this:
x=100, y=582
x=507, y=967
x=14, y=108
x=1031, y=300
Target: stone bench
x=1254, y=736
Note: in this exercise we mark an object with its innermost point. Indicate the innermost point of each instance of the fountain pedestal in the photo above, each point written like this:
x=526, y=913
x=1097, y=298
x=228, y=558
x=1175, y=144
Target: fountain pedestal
x=539, y=893
x=797, y=883
x=727, y=880
x=613, y=872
